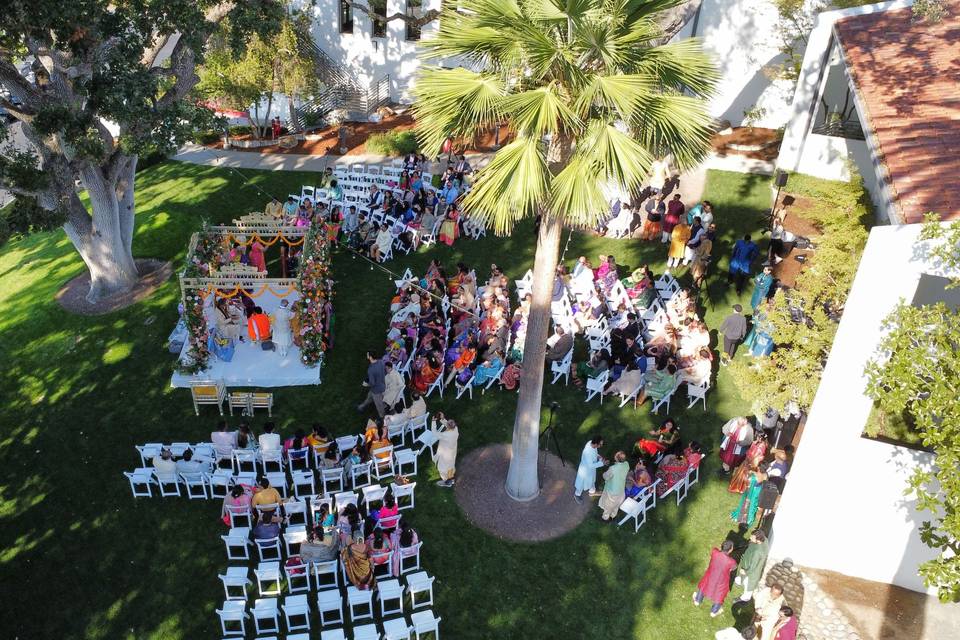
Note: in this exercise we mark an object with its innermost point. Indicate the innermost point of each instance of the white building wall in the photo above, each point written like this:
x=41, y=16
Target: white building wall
x=843, y=508
x=741, y=37
x=366, y=58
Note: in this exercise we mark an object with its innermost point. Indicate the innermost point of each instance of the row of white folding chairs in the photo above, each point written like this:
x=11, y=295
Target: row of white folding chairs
x=265, y=613
x=467, y=387
x=638, y=507
x=151, y=450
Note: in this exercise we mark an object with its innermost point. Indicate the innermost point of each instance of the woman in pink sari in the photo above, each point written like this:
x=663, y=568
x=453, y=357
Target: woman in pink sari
x=257, y=258
x=403, y=538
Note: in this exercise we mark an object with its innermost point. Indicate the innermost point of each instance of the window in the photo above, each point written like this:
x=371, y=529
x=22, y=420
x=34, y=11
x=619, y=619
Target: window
x=346, y=17
x=414, y=10
x=379, y=11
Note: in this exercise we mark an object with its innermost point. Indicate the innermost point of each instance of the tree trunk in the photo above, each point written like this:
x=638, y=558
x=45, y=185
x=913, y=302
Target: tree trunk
x=104, y=239
x=522, y=480
x=294, y=127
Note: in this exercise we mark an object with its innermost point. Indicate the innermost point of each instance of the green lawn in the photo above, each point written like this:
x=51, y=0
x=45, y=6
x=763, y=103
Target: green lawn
x=82, y=559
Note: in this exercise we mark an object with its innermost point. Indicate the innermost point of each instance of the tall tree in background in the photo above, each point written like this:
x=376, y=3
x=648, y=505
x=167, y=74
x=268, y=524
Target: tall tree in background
x=93, y=84
x=592, y=102
x=917, y=373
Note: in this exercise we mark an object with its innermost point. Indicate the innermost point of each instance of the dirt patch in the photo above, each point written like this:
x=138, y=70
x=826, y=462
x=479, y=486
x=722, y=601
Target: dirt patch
x=757, y=143
x=480, y=493
x=73, y=295
x=798, y=223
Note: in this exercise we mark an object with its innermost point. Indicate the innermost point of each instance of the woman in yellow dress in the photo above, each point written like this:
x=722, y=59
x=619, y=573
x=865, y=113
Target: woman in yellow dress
x=678, y=244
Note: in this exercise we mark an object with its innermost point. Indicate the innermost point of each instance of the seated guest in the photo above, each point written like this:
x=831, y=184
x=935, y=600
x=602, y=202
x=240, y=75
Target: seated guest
x=403, y=539
x=356, y=563
x=660, y=383
x=488, y=369
x=348, y=524
x=382, y=243
x=164, y=463
x=324, y=518
x=292, y=446
x=375, y=200
x=626, y=383
x=258, y=326
x=667, y=440
x=558, y=345
x=697, y=370
x=599, y=362
x=672, y=469
x=265, y=494
x=464, y=357
x=388, y=509
x=268, y=527
x=320, y=546
x=245, y=438
x=637, y=479
x=224, y=441
x=270, y=441
x=187, y=465
x=510, y=377
x=238, y=501
x=319, y=439
x=417, y=407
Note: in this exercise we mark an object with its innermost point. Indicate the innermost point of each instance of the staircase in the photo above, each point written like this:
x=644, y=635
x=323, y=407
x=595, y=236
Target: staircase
x=341, y=90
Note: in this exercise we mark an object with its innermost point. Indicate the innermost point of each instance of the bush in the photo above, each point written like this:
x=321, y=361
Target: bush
x=241, y=131
x=208, y=136
x=312, y=119
x=392, y=143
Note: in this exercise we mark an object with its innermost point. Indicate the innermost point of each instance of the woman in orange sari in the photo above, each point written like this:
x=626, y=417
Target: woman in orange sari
x=755, y=455
x=449, y=230
x=428, y=369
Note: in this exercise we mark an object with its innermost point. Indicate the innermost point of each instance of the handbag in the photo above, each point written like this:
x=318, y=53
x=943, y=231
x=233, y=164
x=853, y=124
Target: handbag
x=267, y=345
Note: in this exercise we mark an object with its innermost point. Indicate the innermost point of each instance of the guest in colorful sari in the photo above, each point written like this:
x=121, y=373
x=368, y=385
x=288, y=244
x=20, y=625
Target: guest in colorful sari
x=637, y=480
x=660, y=383
x=427, y=370
x=465, y=356
x=671, y=470
x=607, y=278
x=737, y=436
x=755, y=455
x=675, y=214
x=357, y=565
x=759, y=341
x=678, y=244
x=257, y=258
x=379, y=547
x=656, y=208
x=761, y=287
x=510, y=377
x=488, y=369
x=667, y=440
x=403, y=539
x=746, y=512
x=450, y=229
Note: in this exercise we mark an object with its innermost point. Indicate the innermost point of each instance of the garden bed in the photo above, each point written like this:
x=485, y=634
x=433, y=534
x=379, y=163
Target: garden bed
x=758, y=143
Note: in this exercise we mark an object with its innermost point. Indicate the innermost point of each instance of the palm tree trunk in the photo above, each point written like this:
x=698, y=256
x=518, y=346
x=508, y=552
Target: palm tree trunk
x=522, y=481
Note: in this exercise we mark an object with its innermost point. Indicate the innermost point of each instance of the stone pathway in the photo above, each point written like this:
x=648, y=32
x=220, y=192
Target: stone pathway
x=820, y=618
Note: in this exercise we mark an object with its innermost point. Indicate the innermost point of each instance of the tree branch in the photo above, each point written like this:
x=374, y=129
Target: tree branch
x=426, y=18
x=17, y=85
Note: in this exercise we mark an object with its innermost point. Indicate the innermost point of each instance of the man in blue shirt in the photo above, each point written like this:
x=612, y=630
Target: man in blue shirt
x=449, y=192
x=745, y=251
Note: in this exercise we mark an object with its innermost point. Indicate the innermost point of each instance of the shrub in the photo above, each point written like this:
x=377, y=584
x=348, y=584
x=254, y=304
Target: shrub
x=208, y=136
x=241, y=130
x=392, y=143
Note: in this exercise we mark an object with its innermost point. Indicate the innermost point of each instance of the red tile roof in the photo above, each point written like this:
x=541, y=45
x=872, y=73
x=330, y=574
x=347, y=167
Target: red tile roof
x=908, y=77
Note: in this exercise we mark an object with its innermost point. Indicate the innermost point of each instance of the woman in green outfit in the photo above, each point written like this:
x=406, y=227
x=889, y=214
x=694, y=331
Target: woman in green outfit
x=614, y=482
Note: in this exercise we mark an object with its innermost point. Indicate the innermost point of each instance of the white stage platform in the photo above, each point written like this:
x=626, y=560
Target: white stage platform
x=251, y=366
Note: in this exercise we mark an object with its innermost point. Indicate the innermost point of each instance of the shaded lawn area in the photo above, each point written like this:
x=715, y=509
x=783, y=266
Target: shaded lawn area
x=82, y=559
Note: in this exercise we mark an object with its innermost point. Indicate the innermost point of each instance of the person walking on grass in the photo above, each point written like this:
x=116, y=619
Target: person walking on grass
x=447, y=436
x=614, y=483
x=733, y=329
x=375, y=383
x=715, y=583
x=590, y=461
x=751, y=565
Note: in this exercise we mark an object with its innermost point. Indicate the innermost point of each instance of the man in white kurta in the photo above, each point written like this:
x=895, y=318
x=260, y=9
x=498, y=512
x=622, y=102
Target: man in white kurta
x=282, y=336
x=590, y=461
x=447, y=434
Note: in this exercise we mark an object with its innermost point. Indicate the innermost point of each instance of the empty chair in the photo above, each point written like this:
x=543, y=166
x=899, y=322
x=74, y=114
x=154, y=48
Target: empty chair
x=244, y=461
x=303, y=483
x=219, y=482
x=596, y=385
x=359, y=603
x=169, y=483
x=298, y=577
x=425, y=622
x=268, y=578
x=148, y=452
x=410, y=559
x=332, y=479
x=293, y=537
x=373, y=493
x=366, y=632
x=401, y=491
x=272, y=461
x=296, y=510
x=361, y=474
x=208, y=392
x=418, y=425
x=427, y=440
x=268, y=548
x=405, y=462
x=561, y=368
x=266, y=615
x=420, y=584
x=141, y=481
x=233, y=614
x=390, y=595
x=296, y=612
x=235, y=583
x=326, y=574
x=330, y=606
x=196, y=485
x=332, y=634
x=697, y=392
x=237, y=541
x=299, y=458
x=396, y=629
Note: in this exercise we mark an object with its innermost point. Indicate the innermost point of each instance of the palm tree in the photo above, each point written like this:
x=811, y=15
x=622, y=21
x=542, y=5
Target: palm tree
x=592, y=100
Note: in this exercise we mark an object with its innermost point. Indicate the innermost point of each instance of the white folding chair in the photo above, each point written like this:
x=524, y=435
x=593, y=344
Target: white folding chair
x=404, y=458
x=235, y=579
x=359, y=603
x=382, y=564
x=299, y=458
x=140, y=482
x=427, y=440
x=596, y=385
x=382, y=459
x=272, y=461
x=397, y=429
x=438, y=383
x=410, y=561
x=308, y=192
x=293, y=537
x=697, y=392
x=331, y=477
x=396, y=629
x=237, y=541
x=366, y=632
x=390, y=595
x=233, y=614
x=404, y=491
x=633, y=394
x=345, y=444
x=325, y=575
x=219, y=482
x=303, y=483
x=425, y=622
x=268, y=548
x=418, y=423
x=148, y=452
x=296, y=510
x=637, y=508
x=343, y=499
x=464, y=387
x=332, y=634
x=240, y=515
x=296, y=612
x=373, y=493
x=266, y=615
x=561, y=368
x=420, y=583
x=244, y=461
x=268, y=578
x=361, y=471
x=196, y=485
x=665, y=400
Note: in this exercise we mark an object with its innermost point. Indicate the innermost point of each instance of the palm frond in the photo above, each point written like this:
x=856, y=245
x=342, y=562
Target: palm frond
x=454, y=101
x=620, y=160
x=679, y=65
x=576, y=193
x=617, y=92
x=677, y=124
x=511, y=186
x=540, y=111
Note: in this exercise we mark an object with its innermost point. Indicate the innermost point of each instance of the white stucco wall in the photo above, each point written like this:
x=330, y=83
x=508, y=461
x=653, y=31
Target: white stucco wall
x=367, y=58
x=741, y=36
x=843, y=508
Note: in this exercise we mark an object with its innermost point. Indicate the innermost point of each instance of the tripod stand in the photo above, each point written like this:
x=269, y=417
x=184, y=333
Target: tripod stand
x=548, y=435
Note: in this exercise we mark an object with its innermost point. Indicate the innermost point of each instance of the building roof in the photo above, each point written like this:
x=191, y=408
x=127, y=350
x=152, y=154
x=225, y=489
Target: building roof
x=908, y=78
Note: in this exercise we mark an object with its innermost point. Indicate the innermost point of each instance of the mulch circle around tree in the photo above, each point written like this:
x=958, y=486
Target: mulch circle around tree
x=480, y=493
x=73, y=295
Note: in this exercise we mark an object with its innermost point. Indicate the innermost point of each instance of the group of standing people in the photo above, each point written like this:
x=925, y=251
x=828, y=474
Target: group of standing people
x=239, y=318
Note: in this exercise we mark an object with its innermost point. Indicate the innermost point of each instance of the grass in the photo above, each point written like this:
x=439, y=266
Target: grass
x=82, y=559
x=392, y=143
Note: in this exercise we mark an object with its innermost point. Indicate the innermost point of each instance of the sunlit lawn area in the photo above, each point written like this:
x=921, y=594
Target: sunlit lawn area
x=81, y=559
